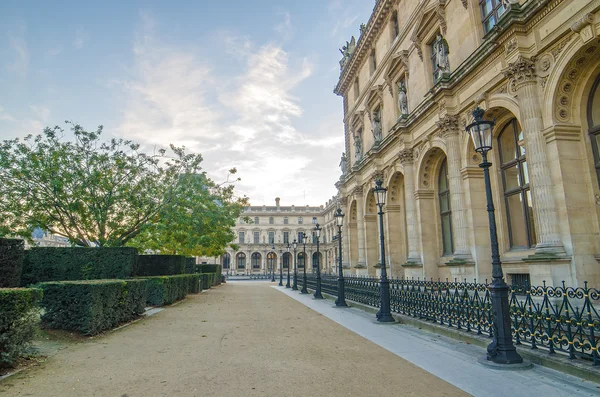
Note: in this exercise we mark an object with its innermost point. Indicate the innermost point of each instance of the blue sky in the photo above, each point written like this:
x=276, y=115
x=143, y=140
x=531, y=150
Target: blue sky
x=246, y=83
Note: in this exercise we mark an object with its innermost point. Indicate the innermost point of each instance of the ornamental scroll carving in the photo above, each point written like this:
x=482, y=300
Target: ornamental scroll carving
x=522, y=71
x=406, y=156
x=448, y=125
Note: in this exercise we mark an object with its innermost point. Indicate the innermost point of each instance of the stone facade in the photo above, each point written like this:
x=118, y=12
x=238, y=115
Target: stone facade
x=263, y=240
x=409, y=86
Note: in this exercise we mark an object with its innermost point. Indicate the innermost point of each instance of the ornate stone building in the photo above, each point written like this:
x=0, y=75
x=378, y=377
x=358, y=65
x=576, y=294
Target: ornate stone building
x=264, y=240
x=409, y=85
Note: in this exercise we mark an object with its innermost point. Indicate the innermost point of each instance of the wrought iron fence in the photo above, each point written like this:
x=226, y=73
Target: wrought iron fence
x=559, y=319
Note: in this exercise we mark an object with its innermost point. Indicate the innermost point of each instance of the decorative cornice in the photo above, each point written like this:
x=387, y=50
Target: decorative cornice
x=522, y=71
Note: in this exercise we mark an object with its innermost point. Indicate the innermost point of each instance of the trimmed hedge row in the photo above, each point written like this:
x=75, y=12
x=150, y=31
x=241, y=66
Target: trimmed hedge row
x=43, y=264
x=161, y=265
x=11, y=262
x=208, y=280
x=191, y=266
x=216, y=269
x=90, y=307
x=164, y=290
x=18, y=321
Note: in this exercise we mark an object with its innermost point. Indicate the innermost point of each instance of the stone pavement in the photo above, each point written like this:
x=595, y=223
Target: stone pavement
x=239, y=339
x=448, y=359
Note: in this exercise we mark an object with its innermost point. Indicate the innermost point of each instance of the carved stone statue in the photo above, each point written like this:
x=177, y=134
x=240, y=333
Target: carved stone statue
x=358, y=154
x=402, y=98
x=363, y=28
x=441, y=49
x=347, y=52
x=343, y=163
x=376, y=125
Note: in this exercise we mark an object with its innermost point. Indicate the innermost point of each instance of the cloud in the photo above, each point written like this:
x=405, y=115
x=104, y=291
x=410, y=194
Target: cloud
x=246, y=117
x=284, y=29
x=81, y=36
x=4, y=115
x=20, y=64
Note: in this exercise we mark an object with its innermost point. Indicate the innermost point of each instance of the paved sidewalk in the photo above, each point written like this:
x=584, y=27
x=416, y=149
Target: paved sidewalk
x=240, y=339
x=451, y=360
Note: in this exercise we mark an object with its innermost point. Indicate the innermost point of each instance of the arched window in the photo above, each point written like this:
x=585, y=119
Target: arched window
x=255, y=260
x=515, y=179
x=300, y=260
x=593, y=115
x=241, y=260
x=287, y=258
x=445, y=210
x=271, y=260
x=226, y=261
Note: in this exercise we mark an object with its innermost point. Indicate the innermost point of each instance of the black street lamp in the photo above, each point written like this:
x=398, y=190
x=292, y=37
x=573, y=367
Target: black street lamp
x=273, y=263
x=287, y=285
x=265, y=259
x=501, y=350
x=383, y=315
x=281, y=268
x=317, y=294
x=304, y=241
x=295, y=283
x=341, y=299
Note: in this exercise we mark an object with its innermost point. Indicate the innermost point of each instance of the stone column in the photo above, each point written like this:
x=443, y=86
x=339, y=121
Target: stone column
x=414, y=255
x=360, y=227
x=523, y=81
x=345, y=235
x=450, y=130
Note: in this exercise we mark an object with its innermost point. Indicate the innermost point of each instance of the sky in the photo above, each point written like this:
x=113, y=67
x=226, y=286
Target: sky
x=246, y=83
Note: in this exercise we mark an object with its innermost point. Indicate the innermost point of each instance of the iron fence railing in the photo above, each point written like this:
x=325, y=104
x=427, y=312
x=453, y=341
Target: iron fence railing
x=559, y=319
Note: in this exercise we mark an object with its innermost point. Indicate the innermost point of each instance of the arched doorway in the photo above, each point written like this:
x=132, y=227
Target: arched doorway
x=301, y=260
x=287, y=260
x=256, y=260
x=226, y=261
x=241, y=261
x=271, y=261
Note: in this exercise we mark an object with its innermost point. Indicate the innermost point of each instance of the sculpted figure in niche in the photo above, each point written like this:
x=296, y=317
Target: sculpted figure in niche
x=376, y=125
x=402, y=98
x=358, y=147
x=440, y=52
x=343, y=163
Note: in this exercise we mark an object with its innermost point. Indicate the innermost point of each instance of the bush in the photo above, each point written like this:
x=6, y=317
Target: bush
x=18, y=321
x=208, y=280
x=216, y=269
x=90, y=307
x=161, y=265
x=164, y=290
x=11, y=262
x=63, y=264
x=191, y=267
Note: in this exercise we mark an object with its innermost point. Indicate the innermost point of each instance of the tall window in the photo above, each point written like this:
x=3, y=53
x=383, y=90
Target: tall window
x=271, y=237
x=241, y=238
x=241, y=260
x=255, y=259
x=300, y=236
x=445, y=210
x=285, y=220
x=593, y=112
x=517, y=197
x=299, y=220
x=226, y=261
x=286, y=260
x=286, y=237
x=256, y=237
x=271, y=220
x=301, y=260
x=395, y=26
x=491, y=11
x=256, y=220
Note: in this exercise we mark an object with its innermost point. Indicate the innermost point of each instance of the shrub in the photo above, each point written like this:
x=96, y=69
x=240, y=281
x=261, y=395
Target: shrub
x=63, y=264
x=208, y=280
x=18, y=321
x=191, y=266
x=164, y=290
x=161, y=265
x=216, y=269
x=11, y=262
x=90, y=307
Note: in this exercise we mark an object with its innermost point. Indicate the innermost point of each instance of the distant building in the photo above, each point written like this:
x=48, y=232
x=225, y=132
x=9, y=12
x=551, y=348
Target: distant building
x=42, y=238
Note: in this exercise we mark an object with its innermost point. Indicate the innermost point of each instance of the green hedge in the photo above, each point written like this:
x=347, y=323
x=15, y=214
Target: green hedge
x=18, y=321
x=191, y=266
x=90, y=307
x=63, y=264
x=208, y=280
x=164, y=290
x=11, y=262
x=216, y=269
x=161, y=265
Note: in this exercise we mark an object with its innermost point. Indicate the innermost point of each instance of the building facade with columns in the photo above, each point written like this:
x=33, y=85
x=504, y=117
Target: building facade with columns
x=409, y=85
x=263, y=234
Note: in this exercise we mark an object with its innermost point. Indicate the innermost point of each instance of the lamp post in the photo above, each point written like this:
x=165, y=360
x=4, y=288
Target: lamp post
x=317, y=294
x=273, y=263
x=265, y=259
x=287, y=285
x=295, y=283
x=281, y=268
x=383, y=315
x=501, y=350
x=341, y=299
x=304, y=241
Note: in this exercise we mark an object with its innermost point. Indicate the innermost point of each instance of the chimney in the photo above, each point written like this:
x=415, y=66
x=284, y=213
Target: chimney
x=277, y=201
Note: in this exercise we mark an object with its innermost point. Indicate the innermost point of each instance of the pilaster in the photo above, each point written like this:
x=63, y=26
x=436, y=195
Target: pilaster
x=414, y=255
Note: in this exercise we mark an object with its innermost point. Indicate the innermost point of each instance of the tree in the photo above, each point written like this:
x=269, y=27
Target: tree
x=198, y=221
x=101, y=193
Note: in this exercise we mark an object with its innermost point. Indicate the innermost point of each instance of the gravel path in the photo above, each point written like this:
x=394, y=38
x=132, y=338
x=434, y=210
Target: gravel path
x=243, y=339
